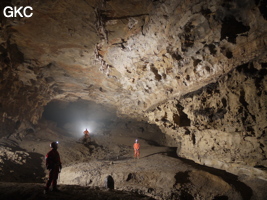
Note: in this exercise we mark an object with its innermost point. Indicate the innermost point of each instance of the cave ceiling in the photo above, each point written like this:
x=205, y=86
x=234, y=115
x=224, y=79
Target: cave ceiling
x=131, y=55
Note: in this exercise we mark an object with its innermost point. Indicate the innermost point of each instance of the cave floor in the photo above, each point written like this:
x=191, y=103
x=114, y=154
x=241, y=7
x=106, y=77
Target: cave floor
x=158, y=174
x=33, y=191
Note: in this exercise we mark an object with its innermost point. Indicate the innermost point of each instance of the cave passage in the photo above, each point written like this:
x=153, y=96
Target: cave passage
x=79, y=115
x=75, y=117
x=63, y=112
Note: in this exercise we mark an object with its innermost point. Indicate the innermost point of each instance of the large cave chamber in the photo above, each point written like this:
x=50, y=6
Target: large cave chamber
x=111, y=137
x=187, y=79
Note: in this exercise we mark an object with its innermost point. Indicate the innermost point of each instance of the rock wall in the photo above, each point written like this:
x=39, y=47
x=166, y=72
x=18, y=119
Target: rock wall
x=222, y=124
x=183, y=46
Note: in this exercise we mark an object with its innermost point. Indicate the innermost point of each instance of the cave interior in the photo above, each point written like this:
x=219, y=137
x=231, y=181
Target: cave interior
x=188, y=79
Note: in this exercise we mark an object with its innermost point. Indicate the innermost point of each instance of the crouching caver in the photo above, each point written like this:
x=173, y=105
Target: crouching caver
x=53, y=164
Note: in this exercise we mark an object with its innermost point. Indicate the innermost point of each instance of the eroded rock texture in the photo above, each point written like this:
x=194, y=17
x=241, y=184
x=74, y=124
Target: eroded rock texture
x=195, y=68
x=221, y=124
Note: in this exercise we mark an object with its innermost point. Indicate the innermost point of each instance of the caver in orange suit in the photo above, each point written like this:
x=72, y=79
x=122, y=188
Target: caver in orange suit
x=86, y=133
x=86, y=137
x=136, y=147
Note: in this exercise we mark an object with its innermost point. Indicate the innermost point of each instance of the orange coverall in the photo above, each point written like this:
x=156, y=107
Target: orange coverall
x=86, y=133
x=136, y=147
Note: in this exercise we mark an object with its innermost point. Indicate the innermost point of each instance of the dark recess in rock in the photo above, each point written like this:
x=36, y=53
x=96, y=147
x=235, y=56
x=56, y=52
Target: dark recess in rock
x=221, y=198
x=193, y=137
x=262, y=4
x=184, y=120
x=258, y=75
x=196, y=62
x=229, y=54
x=212, y=49
x=15, y=55
x=174, y=54
x=186, y=195
x=206, y=12
x=155, y=71
x=130, y=177
x=231, y=28
x=182, y=177
x=224, y=102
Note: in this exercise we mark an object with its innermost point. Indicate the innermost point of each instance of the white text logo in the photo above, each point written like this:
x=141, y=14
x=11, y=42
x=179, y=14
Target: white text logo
x=20, y=11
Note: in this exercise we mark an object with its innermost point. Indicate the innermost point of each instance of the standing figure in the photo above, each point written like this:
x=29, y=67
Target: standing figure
x=136, y=147
x=53, y=164
x=86, y=137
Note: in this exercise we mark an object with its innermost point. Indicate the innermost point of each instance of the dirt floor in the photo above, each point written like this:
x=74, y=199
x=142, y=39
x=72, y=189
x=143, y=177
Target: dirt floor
x=31, y=191
x=158, y=174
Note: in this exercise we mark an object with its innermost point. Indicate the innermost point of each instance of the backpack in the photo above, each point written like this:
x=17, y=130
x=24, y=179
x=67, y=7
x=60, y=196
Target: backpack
x=109, y=182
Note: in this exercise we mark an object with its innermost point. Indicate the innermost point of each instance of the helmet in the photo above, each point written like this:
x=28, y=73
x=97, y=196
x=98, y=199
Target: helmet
x=136, y=140
x=53, y=145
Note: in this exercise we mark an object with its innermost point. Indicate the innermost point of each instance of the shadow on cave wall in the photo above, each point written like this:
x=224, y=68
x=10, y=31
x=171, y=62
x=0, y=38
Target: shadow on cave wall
x=245, y=191
x=7, y=126
x=13, y=168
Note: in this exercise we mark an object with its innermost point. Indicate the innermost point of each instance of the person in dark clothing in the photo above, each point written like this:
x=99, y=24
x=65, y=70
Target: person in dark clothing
x=53, y=164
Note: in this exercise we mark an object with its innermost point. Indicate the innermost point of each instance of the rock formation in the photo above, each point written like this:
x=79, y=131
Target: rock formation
x=197, y=69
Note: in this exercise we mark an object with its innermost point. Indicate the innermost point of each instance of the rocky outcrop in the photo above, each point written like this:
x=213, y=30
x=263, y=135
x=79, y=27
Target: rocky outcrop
x=195, y=68
x=150, y=178
x=223, y=124
x=184, y=46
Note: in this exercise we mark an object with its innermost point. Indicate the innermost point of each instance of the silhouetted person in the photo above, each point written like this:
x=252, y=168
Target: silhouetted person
x=53, y=164
x=86, y=137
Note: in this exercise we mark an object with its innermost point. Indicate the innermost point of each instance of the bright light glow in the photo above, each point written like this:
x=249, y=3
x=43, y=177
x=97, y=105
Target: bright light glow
x=77, y=128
